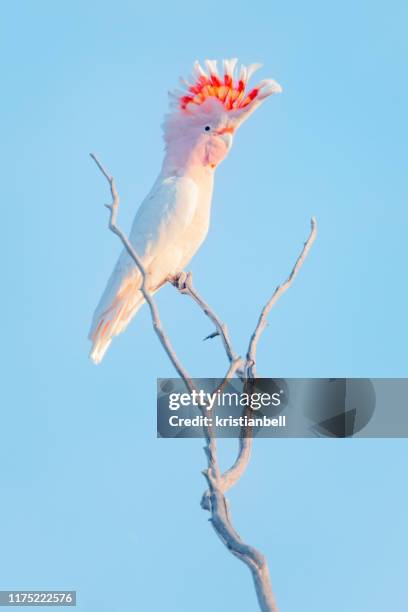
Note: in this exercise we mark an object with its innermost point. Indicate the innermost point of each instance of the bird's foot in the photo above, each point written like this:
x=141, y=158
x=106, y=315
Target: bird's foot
x=181, y=281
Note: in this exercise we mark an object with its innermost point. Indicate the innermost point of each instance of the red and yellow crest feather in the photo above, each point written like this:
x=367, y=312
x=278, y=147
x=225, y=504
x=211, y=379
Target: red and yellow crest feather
x=226, y=88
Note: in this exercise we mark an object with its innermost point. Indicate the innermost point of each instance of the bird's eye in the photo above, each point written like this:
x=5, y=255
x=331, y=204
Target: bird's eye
x=207, y=128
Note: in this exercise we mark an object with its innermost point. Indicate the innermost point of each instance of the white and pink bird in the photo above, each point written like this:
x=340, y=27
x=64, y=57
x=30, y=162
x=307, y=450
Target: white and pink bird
x=173, y=220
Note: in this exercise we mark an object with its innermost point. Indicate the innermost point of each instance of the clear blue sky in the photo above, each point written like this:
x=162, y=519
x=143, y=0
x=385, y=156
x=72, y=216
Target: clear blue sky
x=90, y=499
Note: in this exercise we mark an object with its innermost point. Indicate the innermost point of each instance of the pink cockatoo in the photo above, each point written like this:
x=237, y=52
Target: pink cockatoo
x=173, y=220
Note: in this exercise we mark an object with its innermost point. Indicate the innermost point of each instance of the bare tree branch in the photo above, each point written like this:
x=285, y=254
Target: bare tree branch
x=221, y=522
x=214, y=500
x=253, y=344
x=184, y=283
x=234, y=473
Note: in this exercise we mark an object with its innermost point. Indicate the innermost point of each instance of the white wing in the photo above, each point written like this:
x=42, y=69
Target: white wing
x=162, y=219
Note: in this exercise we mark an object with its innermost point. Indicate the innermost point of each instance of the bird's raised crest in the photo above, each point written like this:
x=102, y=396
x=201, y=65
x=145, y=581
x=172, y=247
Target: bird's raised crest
x=230, y=87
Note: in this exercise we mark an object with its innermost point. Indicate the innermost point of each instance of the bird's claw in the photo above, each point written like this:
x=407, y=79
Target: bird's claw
x=181, y=280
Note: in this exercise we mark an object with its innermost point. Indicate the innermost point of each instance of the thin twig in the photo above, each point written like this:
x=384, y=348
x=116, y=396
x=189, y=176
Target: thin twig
x=184, y=283
x=234, y=473
x=253, y=344
x=211, y=448
x=214, y=334
x=235, y=365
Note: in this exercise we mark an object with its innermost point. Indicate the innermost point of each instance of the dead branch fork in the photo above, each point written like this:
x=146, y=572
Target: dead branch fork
x=214, y=499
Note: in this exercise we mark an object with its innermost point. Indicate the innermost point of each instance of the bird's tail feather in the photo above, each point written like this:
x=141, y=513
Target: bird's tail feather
x=112, y=322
